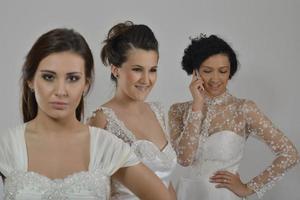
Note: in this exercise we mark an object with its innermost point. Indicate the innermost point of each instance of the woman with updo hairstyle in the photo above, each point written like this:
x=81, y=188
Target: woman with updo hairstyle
x=209, y=132
x=131, y=52
x=53, y=155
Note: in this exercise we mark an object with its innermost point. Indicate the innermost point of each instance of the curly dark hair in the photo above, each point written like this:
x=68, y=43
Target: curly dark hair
x=203, y=47
x=123, y=37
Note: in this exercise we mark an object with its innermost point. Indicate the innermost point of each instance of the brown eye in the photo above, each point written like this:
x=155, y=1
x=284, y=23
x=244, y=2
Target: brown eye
x=153, y=70
x=73, y=78
x=137, y=69
x=48, y=77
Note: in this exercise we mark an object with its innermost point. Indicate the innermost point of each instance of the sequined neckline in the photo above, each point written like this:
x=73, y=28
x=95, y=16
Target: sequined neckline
x=218, y=100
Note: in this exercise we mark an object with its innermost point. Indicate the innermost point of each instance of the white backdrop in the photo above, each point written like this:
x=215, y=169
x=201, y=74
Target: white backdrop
x=264, y=33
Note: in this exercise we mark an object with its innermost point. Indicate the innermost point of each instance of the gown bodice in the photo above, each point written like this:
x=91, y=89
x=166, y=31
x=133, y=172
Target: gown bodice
x=161, y=161
x=107, y=155
x=222, y=150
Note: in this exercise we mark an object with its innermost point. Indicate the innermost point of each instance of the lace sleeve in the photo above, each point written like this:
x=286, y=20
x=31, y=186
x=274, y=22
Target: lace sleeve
x=286, y=154
x=184, y=130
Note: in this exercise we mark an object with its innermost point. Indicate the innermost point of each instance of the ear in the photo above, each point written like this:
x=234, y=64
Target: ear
x=86, y=87
x=114, y=71
x=30, y=85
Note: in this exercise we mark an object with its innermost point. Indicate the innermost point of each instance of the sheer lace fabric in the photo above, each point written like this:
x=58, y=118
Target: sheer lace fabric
x=215, y=139
x=107, y=155
x=161, y=162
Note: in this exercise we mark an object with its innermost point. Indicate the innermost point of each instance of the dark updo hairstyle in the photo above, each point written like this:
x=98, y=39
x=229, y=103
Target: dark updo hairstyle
x=54, y=41
x=203, y=47
x=124, y=37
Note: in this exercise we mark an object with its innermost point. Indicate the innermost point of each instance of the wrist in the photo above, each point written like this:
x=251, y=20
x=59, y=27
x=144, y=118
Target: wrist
x=197, y=106
x=248, y=191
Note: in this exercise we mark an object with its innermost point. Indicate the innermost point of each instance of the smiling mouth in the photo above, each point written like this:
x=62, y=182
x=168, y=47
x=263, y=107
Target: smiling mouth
x=215, y=87
x=142, y=88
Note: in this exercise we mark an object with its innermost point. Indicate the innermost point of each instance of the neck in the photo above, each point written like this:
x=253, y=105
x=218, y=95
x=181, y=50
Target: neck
x=126, y=102
x=209, y=96
x=56, y=126
x=216, y=100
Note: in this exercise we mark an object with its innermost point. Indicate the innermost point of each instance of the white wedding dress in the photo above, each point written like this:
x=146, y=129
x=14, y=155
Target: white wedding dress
x=161, y=162
x=216, y=140
x=107, y=155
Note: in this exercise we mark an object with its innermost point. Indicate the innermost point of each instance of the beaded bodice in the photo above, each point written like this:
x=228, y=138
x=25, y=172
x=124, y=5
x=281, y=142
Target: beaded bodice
x=214, y=138
x=107, y=155
x=82, y=185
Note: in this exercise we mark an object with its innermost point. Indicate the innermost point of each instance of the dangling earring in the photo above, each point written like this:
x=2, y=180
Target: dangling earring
x=31, y=90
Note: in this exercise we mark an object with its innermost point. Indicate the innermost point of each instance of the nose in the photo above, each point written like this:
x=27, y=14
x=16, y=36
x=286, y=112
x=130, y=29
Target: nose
x=145, y=79
x=215, y=76
x=60, y=89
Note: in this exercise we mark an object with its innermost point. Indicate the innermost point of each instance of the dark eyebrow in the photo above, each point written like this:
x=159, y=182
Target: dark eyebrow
x=142, y=66
x=52, y=72
x=212, y=67
x=74, y=73
x=48, y=71
x=225, y=67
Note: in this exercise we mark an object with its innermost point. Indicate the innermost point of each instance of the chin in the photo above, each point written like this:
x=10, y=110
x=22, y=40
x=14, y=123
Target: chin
x=140, y=98
x=59, y=116
x=215, y=93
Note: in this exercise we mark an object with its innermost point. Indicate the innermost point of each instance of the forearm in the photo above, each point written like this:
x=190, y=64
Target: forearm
x=189, y=138
x=172, y=192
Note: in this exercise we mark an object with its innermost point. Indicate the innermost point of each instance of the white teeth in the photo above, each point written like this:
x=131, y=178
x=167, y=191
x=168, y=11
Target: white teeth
x=142, y=88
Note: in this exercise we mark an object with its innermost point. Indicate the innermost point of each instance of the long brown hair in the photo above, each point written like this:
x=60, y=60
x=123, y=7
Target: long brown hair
x=54, y=41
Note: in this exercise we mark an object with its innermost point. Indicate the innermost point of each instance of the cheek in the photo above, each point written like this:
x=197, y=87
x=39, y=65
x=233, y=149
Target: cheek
x=153, y=77
x=132, y=77
x=205, y=77
x=225, y=77
x=77, y=91
x=42, y=90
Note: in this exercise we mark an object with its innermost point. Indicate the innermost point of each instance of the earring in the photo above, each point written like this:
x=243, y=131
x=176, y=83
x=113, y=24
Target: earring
x=31, y=90
x=117, y=76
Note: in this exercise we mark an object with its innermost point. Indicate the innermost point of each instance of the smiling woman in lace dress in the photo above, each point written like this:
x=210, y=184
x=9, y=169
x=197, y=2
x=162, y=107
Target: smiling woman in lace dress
x=53, y=155
x=131, y=51
x=209, y=132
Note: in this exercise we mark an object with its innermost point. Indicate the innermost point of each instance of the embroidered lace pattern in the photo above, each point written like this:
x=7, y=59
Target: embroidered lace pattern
x=190, y=130
x=147, y=150
x=157, y=160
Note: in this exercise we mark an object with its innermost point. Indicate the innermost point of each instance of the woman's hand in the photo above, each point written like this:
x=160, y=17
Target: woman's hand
x=197, y=91
x=232, y=182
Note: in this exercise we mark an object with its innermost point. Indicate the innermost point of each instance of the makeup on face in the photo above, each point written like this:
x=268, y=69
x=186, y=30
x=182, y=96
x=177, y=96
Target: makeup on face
x=214, y=72
x=59, y=84
x=138, y=74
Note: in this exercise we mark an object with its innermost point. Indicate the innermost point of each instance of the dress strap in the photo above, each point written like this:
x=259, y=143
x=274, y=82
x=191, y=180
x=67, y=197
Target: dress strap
x=116, y=126
x=158, y=110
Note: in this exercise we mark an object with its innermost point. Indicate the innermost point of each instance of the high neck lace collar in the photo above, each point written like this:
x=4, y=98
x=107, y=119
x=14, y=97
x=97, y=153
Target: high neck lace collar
x=218, y=100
